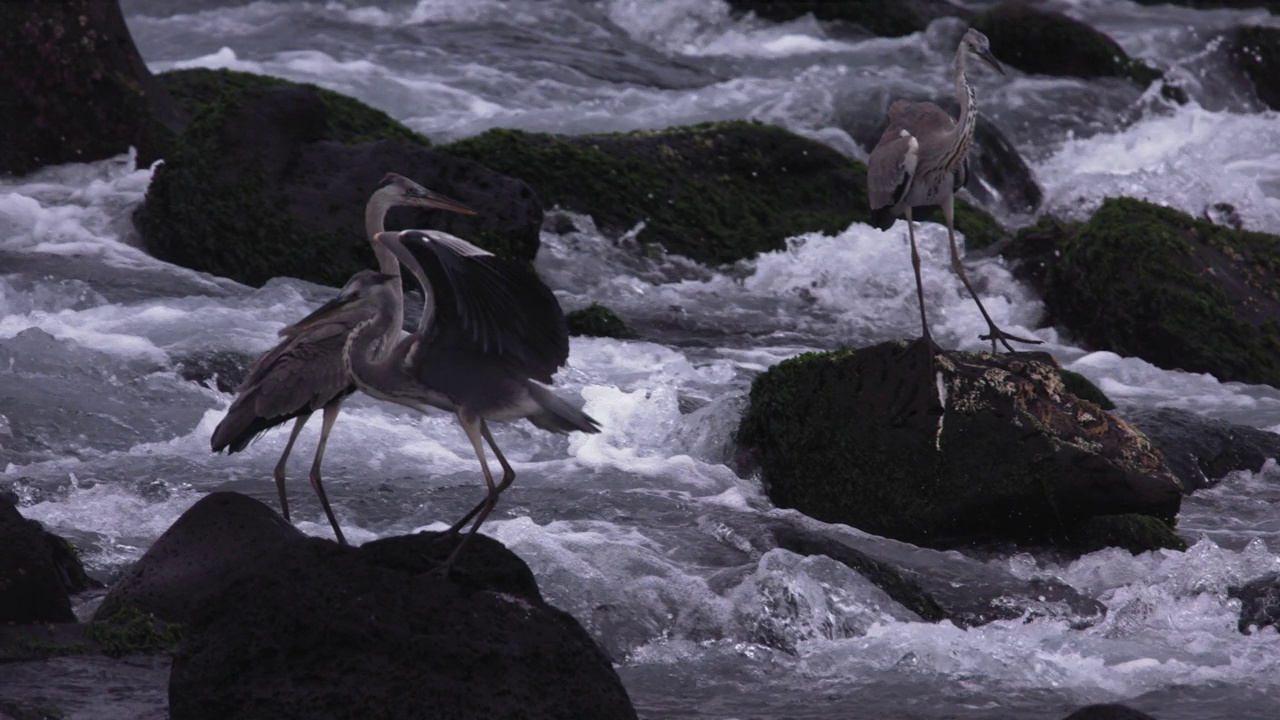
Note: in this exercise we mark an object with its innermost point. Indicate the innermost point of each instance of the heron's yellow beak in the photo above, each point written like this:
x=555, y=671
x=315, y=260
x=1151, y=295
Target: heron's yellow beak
x=435, y=200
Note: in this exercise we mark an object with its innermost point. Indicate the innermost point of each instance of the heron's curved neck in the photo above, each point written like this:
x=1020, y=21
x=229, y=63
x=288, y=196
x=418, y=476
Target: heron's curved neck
x=367, y=352
x=963, y=131
x=375, y=215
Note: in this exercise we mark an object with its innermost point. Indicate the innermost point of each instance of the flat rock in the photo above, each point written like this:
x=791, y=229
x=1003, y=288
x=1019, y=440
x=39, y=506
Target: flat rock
x=855, y=436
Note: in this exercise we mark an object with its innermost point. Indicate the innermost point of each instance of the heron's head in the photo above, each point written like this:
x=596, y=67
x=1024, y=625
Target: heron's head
x=400, y=190
x=977, y=44
x=360, y=298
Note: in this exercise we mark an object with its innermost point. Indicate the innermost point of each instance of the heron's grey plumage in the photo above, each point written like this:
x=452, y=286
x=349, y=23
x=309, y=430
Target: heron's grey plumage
x=490, y=330
x=922, y=159
x=305, y=371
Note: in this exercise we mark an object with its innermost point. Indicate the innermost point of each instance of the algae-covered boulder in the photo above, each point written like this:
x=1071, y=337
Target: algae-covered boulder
x=715, y=193
x=1177, y=291
x=271, y=178
x=1256, y=50
x=1008, y=454
x=73, y=88
x=596, y=320
x=1044, y=42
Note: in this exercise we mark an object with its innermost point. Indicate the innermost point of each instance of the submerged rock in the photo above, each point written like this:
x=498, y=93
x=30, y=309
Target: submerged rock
x=74, y=89
x=596, y=320
x=1108, y=711
x=1259, y=603
x=880, y=17
x=1177, y=291
x=38, y=570
x=1010, y=455
x=1256, y=51
x=1200, y=451
x=271, y=179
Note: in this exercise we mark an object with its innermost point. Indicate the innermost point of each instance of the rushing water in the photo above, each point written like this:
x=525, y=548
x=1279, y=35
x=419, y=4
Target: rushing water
x=644, y=532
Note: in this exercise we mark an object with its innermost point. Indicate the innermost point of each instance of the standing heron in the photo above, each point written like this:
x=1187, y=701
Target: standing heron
x=305, y=371
x=490, y=333
x=923, y=159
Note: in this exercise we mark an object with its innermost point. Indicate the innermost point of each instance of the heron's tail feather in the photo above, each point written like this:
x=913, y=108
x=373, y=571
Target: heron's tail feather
x=557, y=415
x=239, y=428
x=883, y=218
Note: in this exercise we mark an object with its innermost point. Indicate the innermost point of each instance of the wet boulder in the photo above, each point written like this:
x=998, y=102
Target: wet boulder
x=39, y=571
x=73, y=88
x=271, y=179
x=1259, y=603
x=890, y=18
x=1199, y=450
x=1143, y=280
x=596, y=320
x=1108, y=711
x=311, y=629
x=1044, y=42
x=856, y=436
x=1256, y=51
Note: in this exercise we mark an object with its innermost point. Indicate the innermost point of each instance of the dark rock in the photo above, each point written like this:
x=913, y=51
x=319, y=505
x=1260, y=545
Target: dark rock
x=216, y=537
x=1256, y=51
x=596, y=320
x=271, y=178
x=881, y=17
x=1079, y=385
x=1044, y=42
x=1224, y=214
x=1108, y=711
x=38, y=570
x=1272, y=5
x=73, y=88
x=312, y=629
x=1199, y=450
x=715, y=193
x=224, y=370
x=1259, y=603
x=1148, y=281
x=1013, y=456
x=1134, y=532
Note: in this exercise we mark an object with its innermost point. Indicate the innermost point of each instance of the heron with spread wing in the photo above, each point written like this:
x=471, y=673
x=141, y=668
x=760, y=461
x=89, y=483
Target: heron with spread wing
x=490, y=336
x=305, y=372
x=923, y=159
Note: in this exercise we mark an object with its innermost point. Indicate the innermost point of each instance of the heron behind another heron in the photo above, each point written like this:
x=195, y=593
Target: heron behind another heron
x=304, y=372
x=922, y=159
x=491, y=332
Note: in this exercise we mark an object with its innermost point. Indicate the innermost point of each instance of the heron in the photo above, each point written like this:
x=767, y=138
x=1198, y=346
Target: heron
x=922, y=159
x=305, y=372
x=491, y=335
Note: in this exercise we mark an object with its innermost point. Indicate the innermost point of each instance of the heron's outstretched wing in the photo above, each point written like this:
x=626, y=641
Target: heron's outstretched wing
x=494, y=306
x=301, y=374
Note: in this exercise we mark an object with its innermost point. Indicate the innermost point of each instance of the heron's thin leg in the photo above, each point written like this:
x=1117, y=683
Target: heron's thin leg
x=330, y=417
x=995, y=333
x=915, y=265
x=508, y=475
x=284, y=458
x=477, y=431
x=921, y=398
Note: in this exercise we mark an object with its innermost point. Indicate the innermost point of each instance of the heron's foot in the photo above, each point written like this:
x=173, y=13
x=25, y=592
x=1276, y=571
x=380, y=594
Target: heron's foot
x=997, y=335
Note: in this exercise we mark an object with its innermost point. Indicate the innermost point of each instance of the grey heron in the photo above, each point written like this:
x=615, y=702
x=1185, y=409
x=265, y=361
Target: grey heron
x=491, y=333
x=922, y=159
x=304, y=372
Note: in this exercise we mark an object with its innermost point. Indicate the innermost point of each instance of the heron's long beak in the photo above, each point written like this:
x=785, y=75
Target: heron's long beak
x=986, y=57
x=321, y=313
x=440, y=202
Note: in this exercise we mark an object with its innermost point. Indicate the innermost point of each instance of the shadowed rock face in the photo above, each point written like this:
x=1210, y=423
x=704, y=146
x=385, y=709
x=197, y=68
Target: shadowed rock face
x=1013, y=456
x=1256, y=51
x=73, y=88
x=271, y=179
x=279, y=625
x=38, y=570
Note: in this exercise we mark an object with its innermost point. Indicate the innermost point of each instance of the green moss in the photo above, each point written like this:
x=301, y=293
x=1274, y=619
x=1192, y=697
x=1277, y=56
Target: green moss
x=1135, y=533
x=596, y=320
x=716, y=193
x=130, y=631
x=882, y=17
x=1180, y=292
x=348, y=121
x=14, y=711
x=1079, y=385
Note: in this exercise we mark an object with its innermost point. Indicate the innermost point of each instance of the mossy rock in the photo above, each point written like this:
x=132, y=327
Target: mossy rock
x=1050, y=43
x=73, y=88
x=1180, y=292
x=1010, y=456
x=129, y=631
x=890, y=18
x=1133, y=532
x=1256, y=50
x=1081, y=387
x=270, y=178
x=596, y=320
